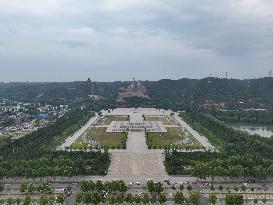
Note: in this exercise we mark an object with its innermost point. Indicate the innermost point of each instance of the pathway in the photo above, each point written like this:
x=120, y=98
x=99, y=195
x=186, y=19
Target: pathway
x=203, y=140
x=137, y=160
x=71, y=139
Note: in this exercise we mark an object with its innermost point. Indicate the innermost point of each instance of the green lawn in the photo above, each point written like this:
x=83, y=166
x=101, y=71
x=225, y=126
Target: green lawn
x=171, y=138
x=99, y=135
x=164, y=120
x=108, y=119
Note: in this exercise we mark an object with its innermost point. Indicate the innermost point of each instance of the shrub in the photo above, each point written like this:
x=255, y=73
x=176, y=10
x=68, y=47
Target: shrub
x=1, y=187
x=189, y=187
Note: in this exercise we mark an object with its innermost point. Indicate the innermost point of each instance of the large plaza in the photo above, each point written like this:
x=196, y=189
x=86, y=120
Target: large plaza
x=136, y=139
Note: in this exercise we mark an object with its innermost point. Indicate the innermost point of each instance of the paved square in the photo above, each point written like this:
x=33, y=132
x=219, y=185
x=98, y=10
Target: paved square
x=137, y=160
x=137, y=164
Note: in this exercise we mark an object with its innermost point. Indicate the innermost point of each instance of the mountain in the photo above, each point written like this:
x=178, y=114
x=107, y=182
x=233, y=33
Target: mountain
x=174, y=94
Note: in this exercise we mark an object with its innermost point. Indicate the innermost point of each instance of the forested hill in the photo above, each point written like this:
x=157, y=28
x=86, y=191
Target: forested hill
x=56, y=92
x=174, y=94
x=213, y=92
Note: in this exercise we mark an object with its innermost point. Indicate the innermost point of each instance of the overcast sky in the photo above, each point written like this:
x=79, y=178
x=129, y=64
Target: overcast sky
x=67, y=40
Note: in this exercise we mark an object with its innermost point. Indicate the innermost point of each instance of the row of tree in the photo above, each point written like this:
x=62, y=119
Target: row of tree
x=58, y=164
x=43, y=200
x=193, y=199
x=240, y=154
x=245, y=116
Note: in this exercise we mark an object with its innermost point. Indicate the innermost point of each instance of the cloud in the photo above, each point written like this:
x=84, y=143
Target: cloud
x=120, y=5
x=85, y=30
x=74, y=44
x=33, y=7
x=145, y=38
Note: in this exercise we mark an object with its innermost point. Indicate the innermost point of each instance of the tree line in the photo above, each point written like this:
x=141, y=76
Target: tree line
x=244, y=116
x=240, y=154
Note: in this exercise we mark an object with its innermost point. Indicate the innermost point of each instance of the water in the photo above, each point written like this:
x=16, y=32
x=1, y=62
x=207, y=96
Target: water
x=259, y=129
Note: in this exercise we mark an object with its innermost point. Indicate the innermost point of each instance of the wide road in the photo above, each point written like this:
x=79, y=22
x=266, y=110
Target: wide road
x=203, y=140
x=71, y=139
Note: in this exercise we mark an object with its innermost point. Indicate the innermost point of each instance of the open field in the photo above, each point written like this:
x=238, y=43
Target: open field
x=173, y=137
x=164, y=120
x=108, y=119
x=100, y=137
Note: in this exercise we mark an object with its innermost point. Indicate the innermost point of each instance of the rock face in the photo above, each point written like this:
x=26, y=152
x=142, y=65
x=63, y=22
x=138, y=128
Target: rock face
x=134, y=90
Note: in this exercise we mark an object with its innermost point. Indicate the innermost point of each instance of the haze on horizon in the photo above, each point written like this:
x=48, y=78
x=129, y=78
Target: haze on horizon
x=108, y=40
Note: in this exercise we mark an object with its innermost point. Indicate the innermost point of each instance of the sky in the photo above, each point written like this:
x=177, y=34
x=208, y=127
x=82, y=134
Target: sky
x=109, y=40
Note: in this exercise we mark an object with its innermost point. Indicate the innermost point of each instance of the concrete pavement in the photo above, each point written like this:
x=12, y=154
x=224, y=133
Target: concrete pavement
x=137, y=160
x=203, y=140
x=71, y=139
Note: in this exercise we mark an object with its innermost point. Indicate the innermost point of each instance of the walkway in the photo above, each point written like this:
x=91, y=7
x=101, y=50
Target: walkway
x=137, y=160
x=71, y=139
x=203, y=140
x=136, y=142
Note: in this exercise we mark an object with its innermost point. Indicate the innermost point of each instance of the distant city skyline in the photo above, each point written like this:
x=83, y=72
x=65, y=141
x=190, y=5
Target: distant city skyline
x=112, y=40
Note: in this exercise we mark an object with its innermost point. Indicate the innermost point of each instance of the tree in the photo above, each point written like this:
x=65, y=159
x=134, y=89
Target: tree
x=162, y=198
x=99, y=185
x=1, y=187
x=137, y=199
x=121, y=186
x=120, y=198
x=181, y=187
x=179, y=198
x=23, y=187
x=153, y=199
x=18, y=201
x=158, y=187
x=79, y=197
x=150, y=185
x=52, y=199
x=234, y=199
x=31, y=188
x=236, y=171
x=194, y=198
x=27, y=200
x=212, y=198
x=96, y=198
x=112, y=199
x=189, y=187
x=10, y=201
x=2, y=172
x=129, y=198
x=60, y=198
x=145, y=198
x=43, y=199
x=87, y=186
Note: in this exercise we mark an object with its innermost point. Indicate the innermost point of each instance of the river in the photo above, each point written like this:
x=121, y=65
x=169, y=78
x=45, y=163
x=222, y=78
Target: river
x=259, y=129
